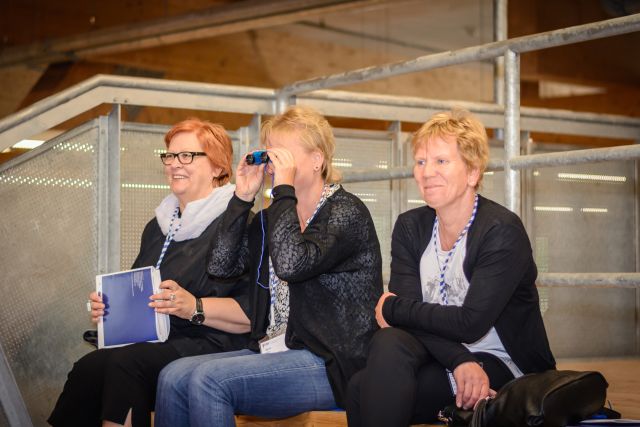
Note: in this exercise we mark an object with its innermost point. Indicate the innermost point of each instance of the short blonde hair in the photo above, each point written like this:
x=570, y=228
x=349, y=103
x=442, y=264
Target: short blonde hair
x=215, y=143
x=469, y=132
x=315, y=133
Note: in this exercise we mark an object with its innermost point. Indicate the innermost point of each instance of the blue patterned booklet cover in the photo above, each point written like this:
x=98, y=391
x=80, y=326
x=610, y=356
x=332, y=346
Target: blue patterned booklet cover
x=128, y=318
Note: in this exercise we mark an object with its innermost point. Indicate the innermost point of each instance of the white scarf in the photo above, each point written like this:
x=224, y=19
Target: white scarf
x=197, y=215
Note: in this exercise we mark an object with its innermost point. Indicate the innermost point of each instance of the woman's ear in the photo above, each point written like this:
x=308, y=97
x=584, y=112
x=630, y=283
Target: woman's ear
x=473, y=177
x=216, y=173
x=318, y=159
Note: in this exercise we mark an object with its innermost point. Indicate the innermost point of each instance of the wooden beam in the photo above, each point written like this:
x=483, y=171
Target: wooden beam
x=608, y=61
x=216, y=21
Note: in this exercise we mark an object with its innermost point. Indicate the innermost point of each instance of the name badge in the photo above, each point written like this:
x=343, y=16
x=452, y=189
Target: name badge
x=273, y=345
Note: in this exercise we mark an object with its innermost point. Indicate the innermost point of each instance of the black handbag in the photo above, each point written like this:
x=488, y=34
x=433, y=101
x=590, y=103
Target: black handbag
x=547, y=399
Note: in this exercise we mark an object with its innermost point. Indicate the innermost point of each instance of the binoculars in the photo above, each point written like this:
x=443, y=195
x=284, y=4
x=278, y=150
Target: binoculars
x=257, y=158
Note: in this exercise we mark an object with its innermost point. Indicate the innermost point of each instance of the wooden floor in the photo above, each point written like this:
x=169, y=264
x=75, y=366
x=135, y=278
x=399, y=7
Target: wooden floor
x=623, y=376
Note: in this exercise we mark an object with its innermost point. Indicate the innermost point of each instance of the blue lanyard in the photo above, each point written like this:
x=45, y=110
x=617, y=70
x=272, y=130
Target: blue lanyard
x=443, y=268
x=170, y=235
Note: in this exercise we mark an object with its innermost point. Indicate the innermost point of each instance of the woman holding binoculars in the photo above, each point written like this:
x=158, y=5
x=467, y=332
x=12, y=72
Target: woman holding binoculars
x=315, y=266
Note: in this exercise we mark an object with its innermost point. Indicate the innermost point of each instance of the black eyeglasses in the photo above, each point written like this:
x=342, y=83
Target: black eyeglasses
x=184, y=157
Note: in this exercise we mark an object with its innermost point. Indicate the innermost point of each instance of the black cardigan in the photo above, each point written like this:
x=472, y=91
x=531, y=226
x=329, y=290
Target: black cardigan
x=333, y=268
x=501, y=272
x=186, y=263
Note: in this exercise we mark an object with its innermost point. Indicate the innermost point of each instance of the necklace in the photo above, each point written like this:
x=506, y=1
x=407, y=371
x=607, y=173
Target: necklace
x=443, y=268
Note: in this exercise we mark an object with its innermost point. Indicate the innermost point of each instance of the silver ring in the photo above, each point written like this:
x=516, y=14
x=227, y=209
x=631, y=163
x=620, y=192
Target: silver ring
x=89, y=306
x=172, y=297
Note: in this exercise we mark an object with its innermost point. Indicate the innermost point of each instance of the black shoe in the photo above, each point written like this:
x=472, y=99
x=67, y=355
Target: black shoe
x=91, y=336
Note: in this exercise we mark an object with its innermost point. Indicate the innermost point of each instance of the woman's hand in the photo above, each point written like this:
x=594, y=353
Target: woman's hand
x=248, y=180
x=472, y=383
x=173, y=300
x=283, y=165
x=97, y=307
x=379, y=317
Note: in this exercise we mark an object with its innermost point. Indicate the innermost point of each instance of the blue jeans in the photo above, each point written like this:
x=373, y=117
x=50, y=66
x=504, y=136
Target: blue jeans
x=207, y=390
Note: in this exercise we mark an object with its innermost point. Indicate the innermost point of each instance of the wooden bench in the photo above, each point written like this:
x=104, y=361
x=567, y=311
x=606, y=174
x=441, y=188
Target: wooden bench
x=623, y=375
x=307, y=419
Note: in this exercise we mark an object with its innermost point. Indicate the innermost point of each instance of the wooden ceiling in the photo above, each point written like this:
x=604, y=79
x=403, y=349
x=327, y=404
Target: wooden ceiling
x=49, y=45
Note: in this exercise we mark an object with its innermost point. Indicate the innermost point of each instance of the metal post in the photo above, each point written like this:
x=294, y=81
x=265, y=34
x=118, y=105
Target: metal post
x=254, y=133
x=10, y=398
x=398, y=187
x=108, y=209
x=500, y=24
x=512, y=130
x=637, y=202
x=637, y=247
x=527, y=188
x=283, y=101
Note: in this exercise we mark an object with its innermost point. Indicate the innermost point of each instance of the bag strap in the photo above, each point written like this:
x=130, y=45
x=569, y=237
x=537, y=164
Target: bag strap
x=479, y=414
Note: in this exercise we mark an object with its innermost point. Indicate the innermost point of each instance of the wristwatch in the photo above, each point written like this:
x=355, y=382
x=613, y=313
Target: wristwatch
x=197, y=318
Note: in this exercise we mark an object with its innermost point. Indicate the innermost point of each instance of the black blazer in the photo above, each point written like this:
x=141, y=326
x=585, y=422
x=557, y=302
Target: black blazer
x=501, y=272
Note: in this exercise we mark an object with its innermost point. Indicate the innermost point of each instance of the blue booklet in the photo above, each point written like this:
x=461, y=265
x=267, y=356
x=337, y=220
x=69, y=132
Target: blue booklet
x=128, y=318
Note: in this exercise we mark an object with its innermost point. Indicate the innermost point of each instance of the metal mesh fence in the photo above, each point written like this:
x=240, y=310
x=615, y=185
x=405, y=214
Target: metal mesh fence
x=4, y=422
x=366, y=154
x=143, y=185
x=48, y=263
x=582, y=220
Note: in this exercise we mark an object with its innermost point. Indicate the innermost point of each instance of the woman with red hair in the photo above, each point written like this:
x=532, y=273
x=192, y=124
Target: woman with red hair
x=117, y=386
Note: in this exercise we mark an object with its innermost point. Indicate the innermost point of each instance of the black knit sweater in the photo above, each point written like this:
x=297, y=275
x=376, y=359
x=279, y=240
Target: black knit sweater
x=333, y=270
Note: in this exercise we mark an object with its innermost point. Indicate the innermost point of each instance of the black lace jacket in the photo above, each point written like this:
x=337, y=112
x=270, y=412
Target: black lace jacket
x=333, y=269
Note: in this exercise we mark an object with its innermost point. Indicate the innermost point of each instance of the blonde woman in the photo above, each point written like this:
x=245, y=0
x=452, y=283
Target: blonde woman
x=462, y=316
x=315, y=268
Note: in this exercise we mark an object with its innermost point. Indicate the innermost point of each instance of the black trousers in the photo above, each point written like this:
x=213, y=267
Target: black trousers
x=105, y=384
x=403, y=385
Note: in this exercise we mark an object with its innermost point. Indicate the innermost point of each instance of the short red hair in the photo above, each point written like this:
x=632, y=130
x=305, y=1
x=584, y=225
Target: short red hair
x=214, y=140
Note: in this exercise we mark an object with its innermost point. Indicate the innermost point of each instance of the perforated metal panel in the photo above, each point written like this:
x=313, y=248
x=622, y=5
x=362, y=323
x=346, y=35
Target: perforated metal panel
x=582, y=220
x=48, y=264
x=370, y=153
x=143, y=185
x=3, y=418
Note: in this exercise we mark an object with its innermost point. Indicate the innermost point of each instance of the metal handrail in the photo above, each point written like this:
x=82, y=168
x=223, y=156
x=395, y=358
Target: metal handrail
x=545, y=40
x=602, y=280
x=102, y=89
